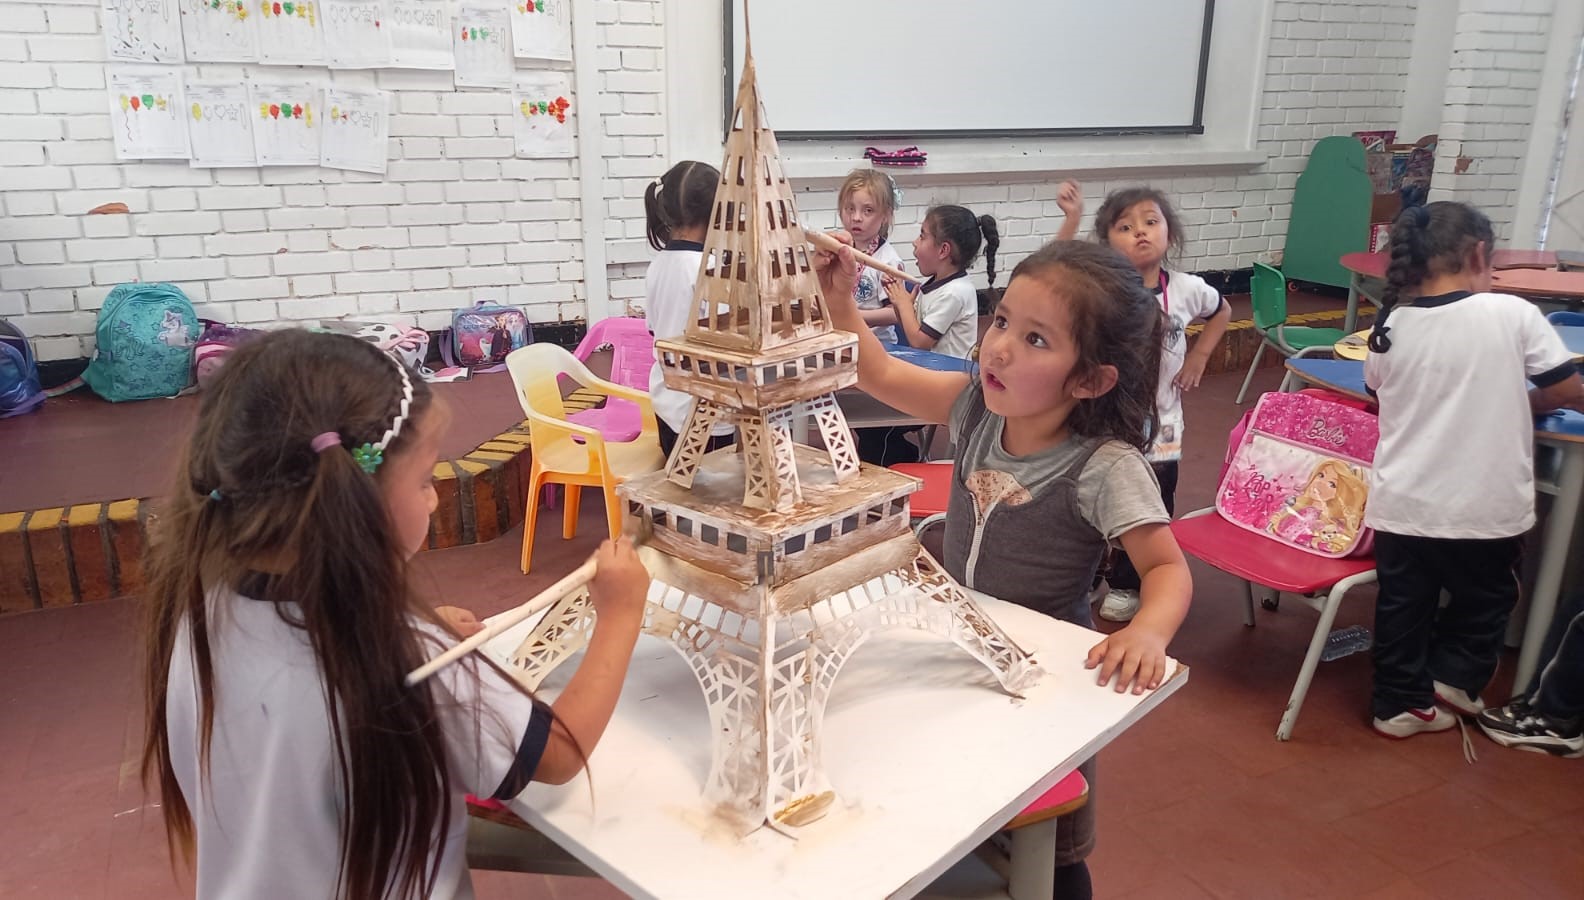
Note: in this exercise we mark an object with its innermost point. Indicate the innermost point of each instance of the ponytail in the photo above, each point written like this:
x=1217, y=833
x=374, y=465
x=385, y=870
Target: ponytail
x=656, y=227
x=1427, y=240
x=992, y=243
x=681, y=198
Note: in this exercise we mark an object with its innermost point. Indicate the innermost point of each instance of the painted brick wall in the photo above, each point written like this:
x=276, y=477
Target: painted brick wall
x=457, y=217
x=1493, y=81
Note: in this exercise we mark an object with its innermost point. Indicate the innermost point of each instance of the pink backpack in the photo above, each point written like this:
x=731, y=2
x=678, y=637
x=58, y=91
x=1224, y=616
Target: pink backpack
x=1298, y=472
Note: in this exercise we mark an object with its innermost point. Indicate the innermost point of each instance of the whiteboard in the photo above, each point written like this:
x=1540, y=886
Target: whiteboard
x=993, y=68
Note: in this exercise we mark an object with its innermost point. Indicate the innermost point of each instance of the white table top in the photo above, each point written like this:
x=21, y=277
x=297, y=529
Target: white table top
x=927, y=756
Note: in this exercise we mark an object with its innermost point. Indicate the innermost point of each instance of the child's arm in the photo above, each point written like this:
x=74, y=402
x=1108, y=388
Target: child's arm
x=1137, y=653
x=1194, y=362
x=879, y=317
x=911, y=389
x=1070, y=198
x=1565, y=394
x=618, y=591
x=907, y=315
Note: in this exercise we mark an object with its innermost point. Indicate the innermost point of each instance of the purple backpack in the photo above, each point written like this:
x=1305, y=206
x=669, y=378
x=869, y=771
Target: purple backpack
x=20, y=391
x=483, y=334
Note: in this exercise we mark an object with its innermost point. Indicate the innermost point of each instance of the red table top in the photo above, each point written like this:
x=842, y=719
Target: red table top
x=1517, y=272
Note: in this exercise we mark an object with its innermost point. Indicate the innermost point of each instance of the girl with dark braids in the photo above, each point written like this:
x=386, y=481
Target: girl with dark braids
x=1452, y=491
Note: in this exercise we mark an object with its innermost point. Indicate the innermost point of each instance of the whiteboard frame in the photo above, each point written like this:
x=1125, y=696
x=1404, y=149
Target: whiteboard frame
x=729, y=76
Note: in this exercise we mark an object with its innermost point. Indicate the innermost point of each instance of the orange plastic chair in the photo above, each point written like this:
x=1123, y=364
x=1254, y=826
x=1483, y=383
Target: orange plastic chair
x=575, y=455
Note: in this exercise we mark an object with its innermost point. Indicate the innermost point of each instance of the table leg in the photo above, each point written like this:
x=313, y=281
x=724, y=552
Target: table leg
x=1033, y=875
x=1553, y=560
x=1354, y=288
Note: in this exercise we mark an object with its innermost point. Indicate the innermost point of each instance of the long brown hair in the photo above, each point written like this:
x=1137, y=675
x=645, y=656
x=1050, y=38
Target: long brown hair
x=1120, y=201
x=252, y=495
x=1427, y=240
x=1115, y=322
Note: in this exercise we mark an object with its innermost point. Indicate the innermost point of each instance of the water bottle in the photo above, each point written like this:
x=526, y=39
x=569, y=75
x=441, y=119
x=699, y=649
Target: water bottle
x=1345, y=642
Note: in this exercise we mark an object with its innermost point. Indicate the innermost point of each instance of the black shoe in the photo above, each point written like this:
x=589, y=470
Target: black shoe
x=1519, y=725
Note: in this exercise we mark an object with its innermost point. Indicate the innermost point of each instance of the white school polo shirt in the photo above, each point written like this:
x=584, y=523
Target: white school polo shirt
x=948, y=311
x=1183, y=299
x=870, y=292
x=1456, y=452
x=268, y=816
x=668, y=302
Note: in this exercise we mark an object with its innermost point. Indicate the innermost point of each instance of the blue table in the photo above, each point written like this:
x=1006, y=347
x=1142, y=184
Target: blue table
x=941, y=362
x=1573, y=337
x=1563, y=432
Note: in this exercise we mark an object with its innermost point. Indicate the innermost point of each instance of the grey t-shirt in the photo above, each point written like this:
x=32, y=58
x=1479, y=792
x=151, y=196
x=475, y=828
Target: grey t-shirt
x=1032, y=529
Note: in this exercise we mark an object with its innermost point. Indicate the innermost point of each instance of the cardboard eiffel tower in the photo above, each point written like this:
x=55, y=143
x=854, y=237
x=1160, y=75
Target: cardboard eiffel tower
x=774, y=561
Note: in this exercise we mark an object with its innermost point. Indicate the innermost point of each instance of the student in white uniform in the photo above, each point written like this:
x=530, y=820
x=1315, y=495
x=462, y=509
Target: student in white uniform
x=1452, y=488
x=943, y=313
x=291, y=757
x=677, y=208
x=866, y=204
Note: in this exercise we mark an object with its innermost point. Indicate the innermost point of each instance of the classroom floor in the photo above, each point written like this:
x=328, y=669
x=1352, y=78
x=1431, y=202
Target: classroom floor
x=1198, y=800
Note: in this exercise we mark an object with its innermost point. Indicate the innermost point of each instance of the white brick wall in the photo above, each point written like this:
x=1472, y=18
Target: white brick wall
x=1493, y=81
x=457, y=217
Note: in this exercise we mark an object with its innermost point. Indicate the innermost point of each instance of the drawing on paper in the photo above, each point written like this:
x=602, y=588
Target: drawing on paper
x=289, y=33
x=541, y=125
x=356, y=130
x=145, y=114
x=142, y=30
x=285, y=123
x=356, y=35
x=218, y=126
x=420, y=35
x=541, y=29
x=219, y=31
x=483, y=53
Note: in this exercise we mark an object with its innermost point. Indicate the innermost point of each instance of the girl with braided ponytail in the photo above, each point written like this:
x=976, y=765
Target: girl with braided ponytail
x=291, y=758
x=1452, y=490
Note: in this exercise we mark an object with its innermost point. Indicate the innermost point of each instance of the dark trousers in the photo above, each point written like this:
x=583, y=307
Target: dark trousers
x=1122, y=575
x=1457, y=646
x=1559, y=685
x=668, y=439
x=888, y=446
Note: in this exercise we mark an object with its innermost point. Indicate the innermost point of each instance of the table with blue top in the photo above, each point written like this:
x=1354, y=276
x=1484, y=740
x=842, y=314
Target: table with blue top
x=1559, y=473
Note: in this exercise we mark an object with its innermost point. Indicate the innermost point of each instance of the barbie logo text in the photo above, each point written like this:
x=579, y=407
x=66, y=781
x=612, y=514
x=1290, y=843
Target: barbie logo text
x=1334, y=435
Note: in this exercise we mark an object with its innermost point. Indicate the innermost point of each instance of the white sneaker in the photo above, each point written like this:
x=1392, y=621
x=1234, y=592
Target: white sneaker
x=1457, y=699
x=1119, y=605
x=1415, y=721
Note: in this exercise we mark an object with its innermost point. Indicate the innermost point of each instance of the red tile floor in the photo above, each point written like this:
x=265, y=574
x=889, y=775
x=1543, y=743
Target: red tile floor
x=1198, y=800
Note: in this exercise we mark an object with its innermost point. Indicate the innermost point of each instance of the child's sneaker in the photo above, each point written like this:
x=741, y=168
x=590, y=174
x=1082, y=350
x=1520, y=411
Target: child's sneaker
x=1457, y=699
x=1415, y=721
x=1119, y=605
x=1518, y=725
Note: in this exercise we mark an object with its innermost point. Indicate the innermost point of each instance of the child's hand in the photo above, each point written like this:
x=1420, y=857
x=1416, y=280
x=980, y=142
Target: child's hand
x=461, y=622
x=898, y=292
x=621, y=583
x=838, y=272
x=1192, y=371
x=1070, y=198
x=1134, y=654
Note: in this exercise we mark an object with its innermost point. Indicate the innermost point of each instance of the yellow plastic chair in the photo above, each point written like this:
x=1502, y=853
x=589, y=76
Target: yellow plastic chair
x=575, y=455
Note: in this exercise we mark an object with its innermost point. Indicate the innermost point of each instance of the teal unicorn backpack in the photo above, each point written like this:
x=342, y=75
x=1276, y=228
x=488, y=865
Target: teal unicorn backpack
x=144, y=343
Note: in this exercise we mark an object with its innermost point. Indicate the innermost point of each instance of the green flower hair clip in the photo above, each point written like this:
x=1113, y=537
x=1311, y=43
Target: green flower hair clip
x=368, y=457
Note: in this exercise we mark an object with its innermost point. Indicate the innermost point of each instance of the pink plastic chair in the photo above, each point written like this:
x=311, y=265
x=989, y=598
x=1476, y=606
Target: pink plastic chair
x=632, y=357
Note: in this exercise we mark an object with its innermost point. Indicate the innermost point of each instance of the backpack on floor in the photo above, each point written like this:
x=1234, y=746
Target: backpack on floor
x=1299, y=473
x=20, y=391
x=483, y=334
x=144, y=343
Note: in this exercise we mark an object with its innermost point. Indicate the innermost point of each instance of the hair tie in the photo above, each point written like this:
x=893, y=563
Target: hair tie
x=325, y=441
x=215, y=495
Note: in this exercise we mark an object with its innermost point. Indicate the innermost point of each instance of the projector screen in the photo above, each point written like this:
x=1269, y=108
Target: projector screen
x=834, y=69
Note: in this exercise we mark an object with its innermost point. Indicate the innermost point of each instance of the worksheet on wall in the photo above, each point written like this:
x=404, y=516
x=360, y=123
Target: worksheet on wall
x=357, y=33
x=142, y=30
x=421, y=35
x=483, y=47
x=542, y=115
x=286, y=122
x=145, y=113
x=219, y=30
x=289, y=33
x=541, y=29
x=356, y=130
x=218, y=125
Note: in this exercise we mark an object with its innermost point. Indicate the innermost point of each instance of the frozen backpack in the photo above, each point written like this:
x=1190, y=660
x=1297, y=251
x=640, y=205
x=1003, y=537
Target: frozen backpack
x=20, y=391
x=144, y=343
x=484, y=333
x=1299, y=473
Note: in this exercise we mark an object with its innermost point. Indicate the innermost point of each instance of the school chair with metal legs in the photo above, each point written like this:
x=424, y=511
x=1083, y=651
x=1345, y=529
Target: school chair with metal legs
x=1268, y=294
x=570, y=454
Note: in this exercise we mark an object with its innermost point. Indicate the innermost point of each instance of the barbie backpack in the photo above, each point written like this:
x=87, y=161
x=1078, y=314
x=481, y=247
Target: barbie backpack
x=1299, y=473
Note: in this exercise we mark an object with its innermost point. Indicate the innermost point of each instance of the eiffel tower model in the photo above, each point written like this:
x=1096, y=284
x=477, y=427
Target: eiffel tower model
x=774, y=561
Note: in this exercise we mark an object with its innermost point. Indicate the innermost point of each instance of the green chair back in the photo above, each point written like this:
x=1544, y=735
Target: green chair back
x=1268, y=291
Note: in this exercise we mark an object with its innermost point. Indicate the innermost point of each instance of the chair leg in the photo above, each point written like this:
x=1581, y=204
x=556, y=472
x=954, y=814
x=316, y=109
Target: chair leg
x=613, y=510
x=1248, y=603
x=531, y=519
x=569, y=515
x=1311, y=660
x=1253, y=366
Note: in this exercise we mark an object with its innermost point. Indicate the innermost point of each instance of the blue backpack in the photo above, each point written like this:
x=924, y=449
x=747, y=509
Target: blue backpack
x=145, y=338
x=19, y=378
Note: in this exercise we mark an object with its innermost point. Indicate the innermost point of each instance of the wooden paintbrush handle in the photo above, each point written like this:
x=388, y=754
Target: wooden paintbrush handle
x=829, y=244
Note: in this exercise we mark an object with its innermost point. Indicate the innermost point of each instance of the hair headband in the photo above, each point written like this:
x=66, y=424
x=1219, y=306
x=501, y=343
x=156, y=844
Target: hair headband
x=370, y=455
